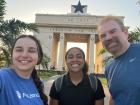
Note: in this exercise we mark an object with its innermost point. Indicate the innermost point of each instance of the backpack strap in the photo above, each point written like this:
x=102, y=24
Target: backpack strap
x=93, y=82
x=92, y=79
x=58, y=83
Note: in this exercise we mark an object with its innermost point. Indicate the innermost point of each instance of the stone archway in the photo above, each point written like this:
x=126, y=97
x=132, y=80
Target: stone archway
x=56, y=30
x=55, y=45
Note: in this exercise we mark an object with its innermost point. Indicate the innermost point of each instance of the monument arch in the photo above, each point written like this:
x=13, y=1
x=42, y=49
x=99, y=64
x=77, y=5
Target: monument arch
x=55, y=30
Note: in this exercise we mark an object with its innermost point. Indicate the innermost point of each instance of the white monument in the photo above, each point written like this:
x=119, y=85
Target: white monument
x=56, y=30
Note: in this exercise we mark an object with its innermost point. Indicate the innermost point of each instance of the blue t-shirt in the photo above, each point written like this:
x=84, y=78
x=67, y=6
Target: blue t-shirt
x=123, y=75
x=15, y=90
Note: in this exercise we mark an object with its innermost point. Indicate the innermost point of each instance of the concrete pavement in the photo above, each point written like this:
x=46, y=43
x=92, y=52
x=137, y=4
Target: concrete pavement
x=48, y=85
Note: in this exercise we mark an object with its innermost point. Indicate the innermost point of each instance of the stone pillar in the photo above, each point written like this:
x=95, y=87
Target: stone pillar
x=61, y=52
x=91, y=53
x=50, y=45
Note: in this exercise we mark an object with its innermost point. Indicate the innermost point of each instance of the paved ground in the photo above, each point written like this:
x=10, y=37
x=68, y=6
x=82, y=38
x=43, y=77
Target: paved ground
x=50, y=81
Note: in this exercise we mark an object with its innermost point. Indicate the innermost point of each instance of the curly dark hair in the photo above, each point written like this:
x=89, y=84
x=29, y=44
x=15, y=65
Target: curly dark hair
x=85, y=67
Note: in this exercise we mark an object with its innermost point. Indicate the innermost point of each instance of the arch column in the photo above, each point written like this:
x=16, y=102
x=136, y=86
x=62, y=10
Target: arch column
x=50, y=47
x=50, y=43
x=60, y=63
x=91, y=53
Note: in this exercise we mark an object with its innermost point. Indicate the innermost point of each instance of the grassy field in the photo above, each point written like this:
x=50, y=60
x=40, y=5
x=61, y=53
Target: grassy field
x=103, y=81
x=46, y=74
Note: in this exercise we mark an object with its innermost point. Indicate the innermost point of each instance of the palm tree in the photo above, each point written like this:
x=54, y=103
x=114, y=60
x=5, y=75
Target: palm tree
x=2, y=8
x=9, y=31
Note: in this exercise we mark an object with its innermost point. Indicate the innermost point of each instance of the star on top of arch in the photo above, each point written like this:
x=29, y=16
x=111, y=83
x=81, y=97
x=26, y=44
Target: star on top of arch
x=79, y=7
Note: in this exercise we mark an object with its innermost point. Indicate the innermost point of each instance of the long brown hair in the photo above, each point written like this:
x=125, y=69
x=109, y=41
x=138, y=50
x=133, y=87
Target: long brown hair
x=36, y=79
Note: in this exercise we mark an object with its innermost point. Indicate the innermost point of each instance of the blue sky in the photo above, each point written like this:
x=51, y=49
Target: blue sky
x=25, y=10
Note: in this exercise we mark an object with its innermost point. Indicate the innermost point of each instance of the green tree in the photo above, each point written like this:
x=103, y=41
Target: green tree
x=2, y=8
x=134, y=36
x=45, y=61
x=9, y=31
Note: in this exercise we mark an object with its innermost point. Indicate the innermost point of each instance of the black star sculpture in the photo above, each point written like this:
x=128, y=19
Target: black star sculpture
x=78, y=7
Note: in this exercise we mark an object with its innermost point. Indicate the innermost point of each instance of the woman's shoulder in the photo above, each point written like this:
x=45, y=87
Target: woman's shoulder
x=4, y=71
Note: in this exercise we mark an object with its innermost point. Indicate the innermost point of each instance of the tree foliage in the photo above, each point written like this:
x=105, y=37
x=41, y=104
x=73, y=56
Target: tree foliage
x=45, y=61
x=134, y=36
x=9, y=31
x=2, y=7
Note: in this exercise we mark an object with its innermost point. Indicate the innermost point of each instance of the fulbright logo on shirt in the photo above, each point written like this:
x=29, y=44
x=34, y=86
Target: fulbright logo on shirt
x=26, y=95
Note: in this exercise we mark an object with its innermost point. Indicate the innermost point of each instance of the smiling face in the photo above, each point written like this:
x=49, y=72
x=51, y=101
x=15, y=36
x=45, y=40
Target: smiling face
x=113, y=38
x=75, y=60
x=25, y=54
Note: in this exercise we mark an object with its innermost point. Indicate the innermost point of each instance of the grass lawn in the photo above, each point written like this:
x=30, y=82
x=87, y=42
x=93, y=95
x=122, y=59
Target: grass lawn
x=46, y=74
x=103, y=81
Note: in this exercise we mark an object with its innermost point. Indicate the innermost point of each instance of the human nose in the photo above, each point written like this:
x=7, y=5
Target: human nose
x=73, y=58
x=24, y=54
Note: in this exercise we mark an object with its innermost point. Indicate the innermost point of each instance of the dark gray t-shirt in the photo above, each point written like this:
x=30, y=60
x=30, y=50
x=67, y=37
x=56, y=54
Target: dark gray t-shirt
x=123, y=75
x=81, y=94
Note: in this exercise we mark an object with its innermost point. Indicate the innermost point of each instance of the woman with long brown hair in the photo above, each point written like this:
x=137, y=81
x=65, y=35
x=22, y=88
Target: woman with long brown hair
x=19, y=84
